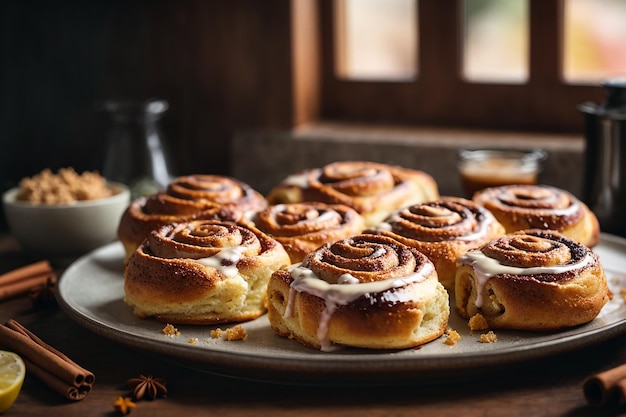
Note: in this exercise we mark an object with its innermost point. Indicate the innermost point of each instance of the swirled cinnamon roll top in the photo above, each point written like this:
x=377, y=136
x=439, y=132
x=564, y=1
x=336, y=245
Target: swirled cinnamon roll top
x=187, y=198
x=522, y=207
x=219, y=189
x=531, y=280
x=202, y=272
x=365, y=291
x=442, y=229
x=303, y=227
x=374, y=190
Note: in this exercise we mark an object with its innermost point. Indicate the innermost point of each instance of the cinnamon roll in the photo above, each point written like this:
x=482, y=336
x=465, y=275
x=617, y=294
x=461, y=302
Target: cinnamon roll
x=522, y=207
x=187, y=198
x=374, y=190
x=202, y=272
x=531, y=280
x=443, y=230
x=365, y=291
x=303, y=227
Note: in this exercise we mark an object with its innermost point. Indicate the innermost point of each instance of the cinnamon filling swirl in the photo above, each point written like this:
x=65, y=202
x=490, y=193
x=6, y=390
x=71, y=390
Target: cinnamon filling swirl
x=542, y=206
x=440, y=220
x=218, y=189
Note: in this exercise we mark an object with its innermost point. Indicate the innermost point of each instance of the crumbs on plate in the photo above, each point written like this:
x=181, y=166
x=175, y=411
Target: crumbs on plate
x=452, y=337
x=230, y=334
x=489, y=337
x=478, y=322
x=170, y=330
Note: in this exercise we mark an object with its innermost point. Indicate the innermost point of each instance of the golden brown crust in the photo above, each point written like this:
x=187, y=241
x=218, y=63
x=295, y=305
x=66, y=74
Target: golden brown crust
x=187, y=198
x=374, y=190
x=202, y=272
x=522, y=207
x=443, y=230
x=303, y=227
x=366, y=291
x=531, y=280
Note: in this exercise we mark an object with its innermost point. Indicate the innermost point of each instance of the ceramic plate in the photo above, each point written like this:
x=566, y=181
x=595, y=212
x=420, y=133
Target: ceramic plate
x=91, y=292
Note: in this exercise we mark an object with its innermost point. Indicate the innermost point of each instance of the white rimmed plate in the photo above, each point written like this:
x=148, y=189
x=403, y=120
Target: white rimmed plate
x=91, y=292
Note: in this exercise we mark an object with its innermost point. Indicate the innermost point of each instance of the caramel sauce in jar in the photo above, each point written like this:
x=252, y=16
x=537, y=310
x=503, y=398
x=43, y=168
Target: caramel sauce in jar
x=485, y=168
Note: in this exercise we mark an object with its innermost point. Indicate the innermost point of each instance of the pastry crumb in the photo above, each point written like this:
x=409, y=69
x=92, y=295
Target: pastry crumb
x=452, y=337
x=193, y=340
x=170, y=330
x=217, y=333
x=478, y=322
x=230, y=334
x=236, y=333
x=489, y=337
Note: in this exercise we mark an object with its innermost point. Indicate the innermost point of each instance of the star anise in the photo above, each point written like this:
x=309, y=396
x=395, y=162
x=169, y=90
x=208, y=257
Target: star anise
x=147, y=387
x=124, y=405
x=43, y=296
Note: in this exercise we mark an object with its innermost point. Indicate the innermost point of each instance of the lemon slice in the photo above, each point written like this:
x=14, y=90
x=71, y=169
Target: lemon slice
x=12, y=373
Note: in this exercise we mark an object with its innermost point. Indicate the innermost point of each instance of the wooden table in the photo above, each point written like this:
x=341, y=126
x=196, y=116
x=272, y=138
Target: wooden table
x=545, y=387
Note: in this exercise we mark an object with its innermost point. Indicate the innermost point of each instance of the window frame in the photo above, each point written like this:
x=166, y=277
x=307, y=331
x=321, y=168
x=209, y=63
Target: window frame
x=439, y=96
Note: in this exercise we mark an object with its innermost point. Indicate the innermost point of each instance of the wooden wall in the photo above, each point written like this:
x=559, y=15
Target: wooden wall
x=223, y=66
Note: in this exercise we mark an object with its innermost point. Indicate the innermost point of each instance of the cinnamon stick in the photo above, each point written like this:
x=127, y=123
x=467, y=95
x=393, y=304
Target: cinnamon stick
x=610, y=385
x=26, y=278
x=50, y=365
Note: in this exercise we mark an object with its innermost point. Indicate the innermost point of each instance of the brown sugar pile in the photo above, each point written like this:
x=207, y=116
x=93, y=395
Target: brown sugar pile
x=64, y=187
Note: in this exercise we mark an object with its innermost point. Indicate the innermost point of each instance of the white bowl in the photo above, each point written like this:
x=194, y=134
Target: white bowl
x=63, y=232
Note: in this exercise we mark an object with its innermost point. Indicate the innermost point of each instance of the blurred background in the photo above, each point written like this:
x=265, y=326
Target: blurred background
x=231, y=66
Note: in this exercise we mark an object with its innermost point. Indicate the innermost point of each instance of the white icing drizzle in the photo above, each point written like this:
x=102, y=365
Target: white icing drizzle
x=486, y=267
x=347, y=289
x=347, y=279
x=225, y=261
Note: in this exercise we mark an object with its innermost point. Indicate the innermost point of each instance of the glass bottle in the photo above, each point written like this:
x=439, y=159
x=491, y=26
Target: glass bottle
x=135, y=152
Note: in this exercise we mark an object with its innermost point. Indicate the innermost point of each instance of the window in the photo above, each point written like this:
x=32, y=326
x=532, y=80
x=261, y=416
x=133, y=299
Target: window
x=537, y=89
x=594, y=40
x=495, y=41
x=375, y=39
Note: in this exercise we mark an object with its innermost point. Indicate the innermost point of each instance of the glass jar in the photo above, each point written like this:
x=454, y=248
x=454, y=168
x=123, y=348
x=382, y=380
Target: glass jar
x=482, y=168
x=135, y=152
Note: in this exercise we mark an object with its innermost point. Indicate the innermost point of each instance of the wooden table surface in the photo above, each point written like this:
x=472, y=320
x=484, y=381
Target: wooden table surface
x=544, y=387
